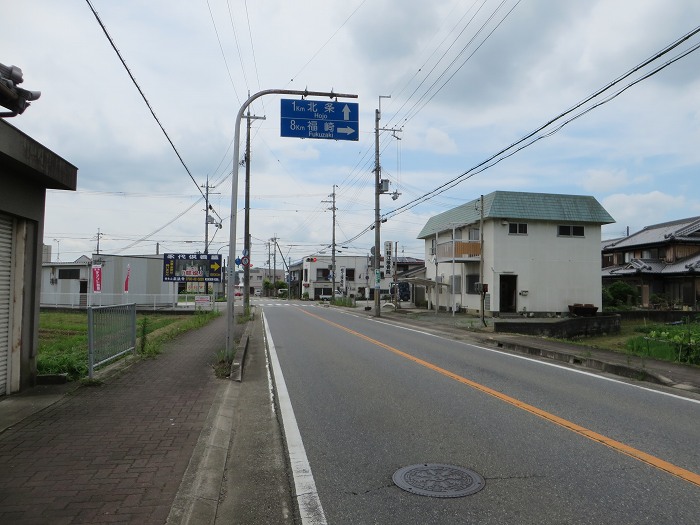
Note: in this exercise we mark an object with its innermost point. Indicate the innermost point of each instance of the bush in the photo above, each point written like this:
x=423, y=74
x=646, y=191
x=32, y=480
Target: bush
x=620, y=294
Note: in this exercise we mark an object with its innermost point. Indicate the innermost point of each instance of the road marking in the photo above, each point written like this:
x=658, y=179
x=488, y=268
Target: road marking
x=653, y=461
x=530, y=359
x=310, y=509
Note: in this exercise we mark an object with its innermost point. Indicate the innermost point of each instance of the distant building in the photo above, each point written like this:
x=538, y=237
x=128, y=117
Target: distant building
x=258, y=276
x=355, y=276
x=27, y=170
x=662, y=261
x=540, y=253
x=122, y=279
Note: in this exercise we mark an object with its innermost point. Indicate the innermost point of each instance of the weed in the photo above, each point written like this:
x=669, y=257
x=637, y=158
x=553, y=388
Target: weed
x=86, y=381
x=222, y=366
x=63, y=345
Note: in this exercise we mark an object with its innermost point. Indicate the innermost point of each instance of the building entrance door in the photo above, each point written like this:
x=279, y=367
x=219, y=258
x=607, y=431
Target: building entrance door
x=508, y=295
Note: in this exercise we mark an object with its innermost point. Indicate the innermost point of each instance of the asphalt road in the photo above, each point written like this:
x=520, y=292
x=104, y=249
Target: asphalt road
x=553, y=444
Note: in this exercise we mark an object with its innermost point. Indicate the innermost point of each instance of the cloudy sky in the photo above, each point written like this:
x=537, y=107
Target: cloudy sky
x=466, y=80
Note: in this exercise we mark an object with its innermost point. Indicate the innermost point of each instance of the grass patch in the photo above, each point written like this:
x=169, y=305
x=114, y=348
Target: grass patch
x=222, y=366
x=671, y=342
x=667, y=342
x=153, y=345
x=63, y=338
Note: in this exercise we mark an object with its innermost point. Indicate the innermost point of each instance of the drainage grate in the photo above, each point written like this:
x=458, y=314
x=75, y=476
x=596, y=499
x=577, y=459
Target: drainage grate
x=438, y=480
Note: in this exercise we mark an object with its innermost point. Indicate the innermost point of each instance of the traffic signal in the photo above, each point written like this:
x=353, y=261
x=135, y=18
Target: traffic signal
x=311, y=259
x=12, y=97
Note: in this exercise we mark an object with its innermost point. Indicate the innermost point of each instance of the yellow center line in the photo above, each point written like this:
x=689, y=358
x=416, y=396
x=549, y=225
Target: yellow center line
x=632, y=452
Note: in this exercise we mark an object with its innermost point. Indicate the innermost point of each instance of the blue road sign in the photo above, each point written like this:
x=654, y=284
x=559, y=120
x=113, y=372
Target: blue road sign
x=320, y=119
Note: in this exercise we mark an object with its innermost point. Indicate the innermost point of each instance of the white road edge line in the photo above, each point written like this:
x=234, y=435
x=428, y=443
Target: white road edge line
x=545, y=363
x=310, y=509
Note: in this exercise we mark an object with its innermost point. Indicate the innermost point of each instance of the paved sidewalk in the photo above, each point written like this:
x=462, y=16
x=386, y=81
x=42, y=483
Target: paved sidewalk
x=165, y=440
x=114, y=453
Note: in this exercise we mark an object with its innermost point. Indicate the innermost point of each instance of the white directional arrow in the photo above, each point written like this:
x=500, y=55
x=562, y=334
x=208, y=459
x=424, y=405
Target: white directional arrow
x=347, y=131
x=346, y=112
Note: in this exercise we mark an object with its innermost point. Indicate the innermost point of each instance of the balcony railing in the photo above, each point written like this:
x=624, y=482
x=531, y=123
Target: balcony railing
x=462, y=250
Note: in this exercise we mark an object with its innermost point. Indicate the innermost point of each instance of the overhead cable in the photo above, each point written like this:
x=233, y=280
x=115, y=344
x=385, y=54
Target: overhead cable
x=143, y=96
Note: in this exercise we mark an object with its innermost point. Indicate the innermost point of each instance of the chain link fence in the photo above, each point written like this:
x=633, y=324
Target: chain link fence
x=111, y=333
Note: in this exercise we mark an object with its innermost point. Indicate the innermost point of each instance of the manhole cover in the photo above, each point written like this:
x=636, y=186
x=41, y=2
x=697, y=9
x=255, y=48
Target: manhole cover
x=438, y=480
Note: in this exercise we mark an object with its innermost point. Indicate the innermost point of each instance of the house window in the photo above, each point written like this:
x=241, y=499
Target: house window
x=349, y=274
x=306, y=275
x=567, y=230
x=69, y=273
x=471, y=283
x=473, y=234
x=517, y=228
x=432, y=246
x=323, y=274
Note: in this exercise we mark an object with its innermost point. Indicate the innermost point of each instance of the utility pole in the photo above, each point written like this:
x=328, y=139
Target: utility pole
x=378, y=190
x=481, y=258
x=98, y=241
x=274, y=258
x=230, y=304
x=269, y=256
x=246, y=227
x=396, y=281
x=333, y=208
x=206, y=216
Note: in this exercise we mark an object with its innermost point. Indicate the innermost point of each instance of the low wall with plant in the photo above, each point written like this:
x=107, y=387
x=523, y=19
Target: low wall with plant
x=565, y=328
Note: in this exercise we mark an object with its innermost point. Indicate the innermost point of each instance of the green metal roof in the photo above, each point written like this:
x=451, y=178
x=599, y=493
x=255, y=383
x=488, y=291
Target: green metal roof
x=513, y=205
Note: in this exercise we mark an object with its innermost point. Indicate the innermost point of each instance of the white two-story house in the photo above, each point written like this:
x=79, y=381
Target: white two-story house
x=531, y=253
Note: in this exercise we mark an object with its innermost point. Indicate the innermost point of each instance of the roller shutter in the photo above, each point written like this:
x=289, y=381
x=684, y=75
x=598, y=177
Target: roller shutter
x=5, y=281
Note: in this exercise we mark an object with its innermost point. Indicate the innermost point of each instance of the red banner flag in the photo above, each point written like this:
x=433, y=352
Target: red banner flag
x=96, y=278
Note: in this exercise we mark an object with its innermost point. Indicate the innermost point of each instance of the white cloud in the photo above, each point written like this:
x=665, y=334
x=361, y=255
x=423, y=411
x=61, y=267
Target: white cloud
x=605, y=181
x=635, y=211
x=638, y=154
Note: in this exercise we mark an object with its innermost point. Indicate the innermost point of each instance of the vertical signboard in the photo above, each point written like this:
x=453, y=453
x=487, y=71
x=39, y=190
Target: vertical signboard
x=388, y=262
x=96, y=278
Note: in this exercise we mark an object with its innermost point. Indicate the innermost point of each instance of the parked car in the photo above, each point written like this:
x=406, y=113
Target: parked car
x=257, y=293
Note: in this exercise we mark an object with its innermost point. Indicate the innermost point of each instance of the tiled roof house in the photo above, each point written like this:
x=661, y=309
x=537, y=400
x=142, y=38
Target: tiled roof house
x=540, y=253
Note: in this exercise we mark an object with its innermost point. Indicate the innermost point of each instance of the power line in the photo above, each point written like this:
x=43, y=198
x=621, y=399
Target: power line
x=518, y=145
x=143, y=96
x=238, y=48
x=326, y=42
x=221, y=47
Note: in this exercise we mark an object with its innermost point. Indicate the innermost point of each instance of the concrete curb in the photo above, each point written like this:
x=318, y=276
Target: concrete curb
x=617, y=369
x=241, y=350
x=197, y=499
x=525, y=345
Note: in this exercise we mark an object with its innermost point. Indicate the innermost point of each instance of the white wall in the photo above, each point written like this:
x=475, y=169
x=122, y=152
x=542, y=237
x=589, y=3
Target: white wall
x=555, y=271
x=356, y=262
x=552, y=271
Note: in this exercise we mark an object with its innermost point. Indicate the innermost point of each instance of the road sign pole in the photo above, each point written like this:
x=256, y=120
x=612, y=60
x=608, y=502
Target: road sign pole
x=234, y=198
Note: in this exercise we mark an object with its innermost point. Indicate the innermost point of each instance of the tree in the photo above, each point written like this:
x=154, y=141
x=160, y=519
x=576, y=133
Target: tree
x=619, y=294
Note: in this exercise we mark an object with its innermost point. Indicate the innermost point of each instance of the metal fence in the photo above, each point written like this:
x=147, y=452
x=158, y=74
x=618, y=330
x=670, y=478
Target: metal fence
x=153, y=302
x=111, y=333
